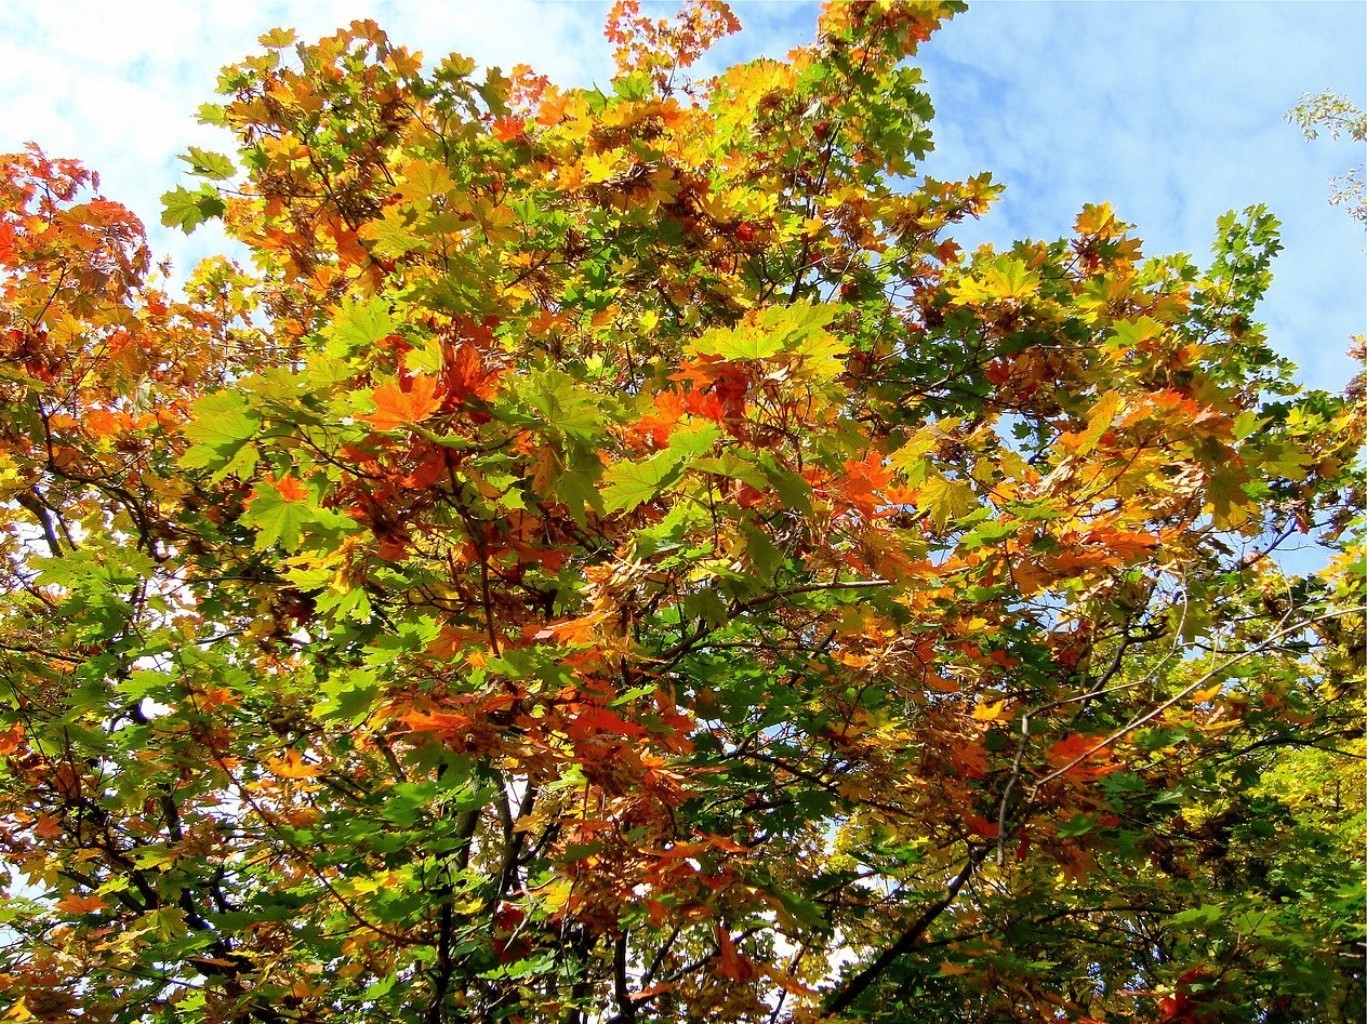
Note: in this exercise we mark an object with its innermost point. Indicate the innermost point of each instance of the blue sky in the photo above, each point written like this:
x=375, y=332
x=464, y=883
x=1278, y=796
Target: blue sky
x=1173, y=112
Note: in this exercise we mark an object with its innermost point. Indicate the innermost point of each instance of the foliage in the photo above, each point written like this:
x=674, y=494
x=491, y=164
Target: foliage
x=1336, y=114
x=612, y=557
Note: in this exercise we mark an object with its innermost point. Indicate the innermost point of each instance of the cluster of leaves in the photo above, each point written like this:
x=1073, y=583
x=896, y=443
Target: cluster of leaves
x=1333, y=113
x=612, y=557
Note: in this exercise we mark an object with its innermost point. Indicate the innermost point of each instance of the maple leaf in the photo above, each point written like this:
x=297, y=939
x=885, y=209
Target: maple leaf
x=80, y=904
x=279, y=510
x=397, y=406
x=464, y=374
x=508, y=128
x=591, y=720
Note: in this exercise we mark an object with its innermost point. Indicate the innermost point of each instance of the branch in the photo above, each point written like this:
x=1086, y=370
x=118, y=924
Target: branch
x=845, y=996
x=1182, y=695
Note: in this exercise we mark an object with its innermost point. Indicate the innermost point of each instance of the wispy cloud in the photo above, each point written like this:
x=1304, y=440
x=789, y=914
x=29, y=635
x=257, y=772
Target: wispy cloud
x=1175, y=114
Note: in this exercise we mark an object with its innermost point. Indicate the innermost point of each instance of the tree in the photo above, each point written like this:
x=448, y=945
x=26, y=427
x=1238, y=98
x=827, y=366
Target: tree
x=613, y=557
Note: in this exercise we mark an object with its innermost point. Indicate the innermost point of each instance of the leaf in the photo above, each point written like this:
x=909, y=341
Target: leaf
x=184, y=209
x=1099, y=421
x=1005, y=278
x=578, y=489
x=357, y=325
x=80, y=904
x=795, y=329
x=946, y=500
x=1228, y=501
x=604, y=721
x=222, y=420
x=990, y=712
x=747, y=342
x=277, y=38
x=214, y=166
x=1196, y=917
x=221, y=423
x=278, y=515
x=629, y=484
x=564, y=404
x=397, y=406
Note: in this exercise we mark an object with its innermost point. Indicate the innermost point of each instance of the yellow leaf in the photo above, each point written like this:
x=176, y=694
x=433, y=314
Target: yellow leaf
x=599, y=167
x=1099, y=421
x=946, y=500
x=1005, y=278
x=987, y=712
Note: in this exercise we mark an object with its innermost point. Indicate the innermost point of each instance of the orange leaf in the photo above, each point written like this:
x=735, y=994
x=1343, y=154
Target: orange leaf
x=594, y=719
x=395, y=407
x=1075, y=746
x=465, y=373
x=552, y=108
x=291, y=766
x=436, y=721
x=980, y=826
x=730, y=964
x=725, y=844
x=80, y=904
x=290, y=489
x=506, y=129
x=12, y=739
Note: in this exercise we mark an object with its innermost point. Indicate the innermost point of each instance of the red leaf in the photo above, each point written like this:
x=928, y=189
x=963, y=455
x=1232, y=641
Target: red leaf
x=980, y=826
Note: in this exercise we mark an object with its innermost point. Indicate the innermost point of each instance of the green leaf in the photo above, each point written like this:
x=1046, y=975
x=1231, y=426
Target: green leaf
x=277, y=519
x=800, y=911
x=733, y=466
x=212, y=113
x=564, y=405
x=631, y=483
x=221, y=419
x=206, y=164
x=797, y=329
x=687, y=443
x=1197, y=917
x=746, y=342
x=186, y=210
x=357, y=325
x=348, y=695
x=767, y=558
x=578, y=489
x=791, y=487
x=1229, y=503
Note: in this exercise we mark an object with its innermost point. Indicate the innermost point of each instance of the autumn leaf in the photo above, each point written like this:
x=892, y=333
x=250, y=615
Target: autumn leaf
x=397, y=406
x=80, y=904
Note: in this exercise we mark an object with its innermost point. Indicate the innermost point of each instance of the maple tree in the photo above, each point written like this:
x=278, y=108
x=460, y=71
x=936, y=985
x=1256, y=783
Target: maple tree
x=611, y=556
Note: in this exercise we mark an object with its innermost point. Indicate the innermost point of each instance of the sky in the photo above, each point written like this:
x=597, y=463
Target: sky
x=1173, y=112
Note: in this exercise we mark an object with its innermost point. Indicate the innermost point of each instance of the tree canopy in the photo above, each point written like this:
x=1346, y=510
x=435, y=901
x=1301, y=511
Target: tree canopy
x=610, y=556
